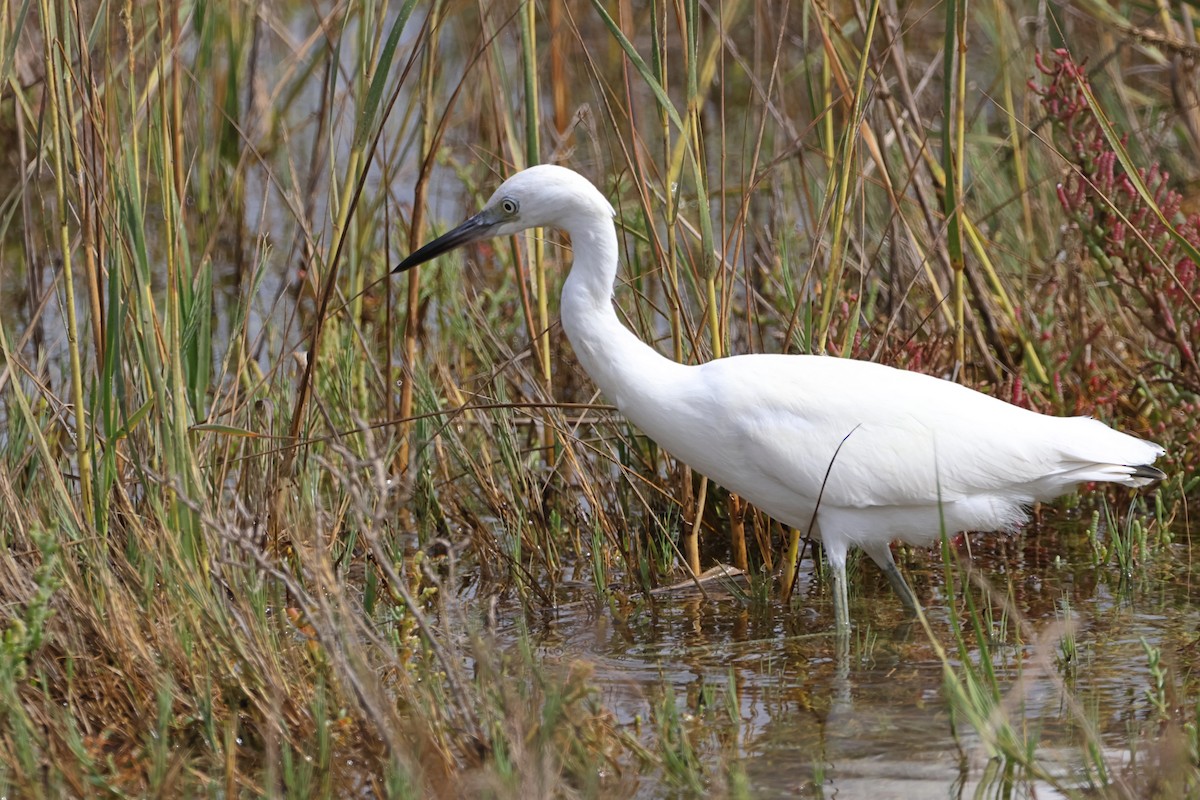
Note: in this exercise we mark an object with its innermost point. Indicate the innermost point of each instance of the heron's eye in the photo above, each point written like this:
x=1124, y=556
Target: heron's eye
x=509, y=206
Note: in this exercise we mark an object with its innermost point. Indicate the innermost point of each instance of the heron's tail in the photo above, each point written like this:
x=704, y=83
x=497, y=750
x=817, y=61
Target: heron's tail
x=1096, y=452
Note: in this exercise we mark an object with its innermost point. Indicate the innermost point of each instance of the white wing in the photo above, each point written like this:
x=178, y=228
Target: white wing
x=909, y=439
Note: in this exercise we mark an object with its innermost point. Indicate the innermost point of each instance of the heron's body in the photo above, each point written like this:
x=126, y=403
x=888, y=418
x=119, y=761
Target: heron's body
x=867, y=452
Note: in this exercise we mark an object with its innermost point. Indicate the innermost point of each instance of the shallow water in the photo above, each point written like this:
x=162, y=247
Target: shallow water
x=874, y=721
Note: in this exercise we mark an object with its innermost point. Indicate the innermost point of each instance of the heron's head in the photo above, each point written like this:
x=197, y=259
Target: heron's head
x=542, y=196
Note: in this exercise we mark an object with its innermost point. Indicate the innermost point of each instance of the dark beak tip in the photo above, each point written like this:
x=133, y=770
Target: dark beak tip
x=472, y=230
x=421, y=255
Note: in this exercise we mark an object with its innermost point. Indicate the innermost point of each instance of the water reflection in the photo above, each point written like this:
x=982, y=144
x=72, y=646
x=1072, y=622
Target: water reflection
x=872, y=719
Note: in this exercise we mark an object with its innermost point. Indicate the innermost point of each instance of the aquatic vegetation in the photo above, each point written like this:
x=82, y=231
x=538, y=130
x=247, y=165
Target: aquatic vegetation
x=272, y=524
x=1131, y=222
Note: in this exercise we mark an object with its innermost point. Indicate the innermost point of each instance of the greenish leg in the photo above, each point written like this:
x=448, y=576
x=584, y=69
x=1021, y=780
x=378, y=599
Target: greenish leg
x=881, y=554
x=841, y=596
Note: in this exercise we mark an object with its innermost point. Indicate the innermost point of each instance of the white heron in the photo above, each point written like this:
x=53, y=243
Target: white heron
x=917, y=455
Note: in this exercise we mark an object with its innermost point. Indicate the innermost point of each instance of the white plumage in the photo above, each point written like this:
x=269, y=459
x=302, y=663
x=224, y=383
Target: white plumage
x=915, y=450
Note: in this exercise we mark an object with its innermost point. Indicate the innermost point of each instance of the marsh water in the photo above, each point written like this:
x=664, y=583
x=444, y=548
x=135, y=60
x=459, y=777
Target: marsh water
x=771, y=687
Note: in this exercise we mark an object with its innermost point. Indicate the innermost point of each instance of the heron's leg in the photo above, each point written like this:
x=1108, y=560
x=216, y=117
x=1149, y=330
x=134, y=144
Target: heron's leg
x=841, y=597
x=841, y=600
x=881, y=554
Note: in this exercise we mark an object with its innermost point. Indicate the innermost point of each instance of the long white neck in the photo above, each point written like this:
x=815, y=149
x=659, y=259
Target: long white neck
x=623, y=366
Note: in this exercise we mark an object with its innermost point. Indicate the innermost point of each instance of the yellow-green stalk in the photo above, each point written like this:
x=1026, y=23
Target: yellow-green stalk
x=55, y=84
x=533, y=237
x=841, y=188
x=413, y=301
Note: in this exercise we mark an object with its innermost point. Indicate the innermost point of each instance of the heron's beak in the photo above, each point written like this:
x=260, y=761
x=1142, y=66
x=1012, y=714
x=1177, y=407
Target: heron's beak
x=480, y=226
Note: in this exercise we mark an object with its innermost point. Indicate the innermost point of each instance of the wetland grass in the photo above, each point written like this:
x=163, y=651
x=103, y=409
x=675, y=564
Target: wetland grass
x=272, y=527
